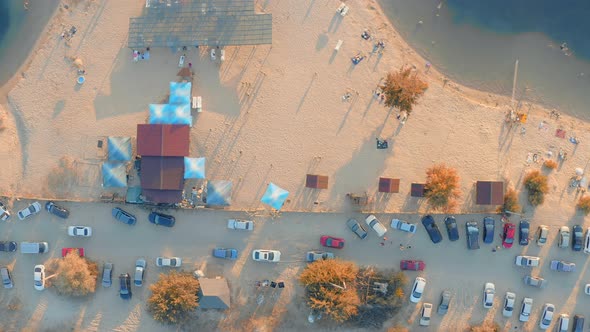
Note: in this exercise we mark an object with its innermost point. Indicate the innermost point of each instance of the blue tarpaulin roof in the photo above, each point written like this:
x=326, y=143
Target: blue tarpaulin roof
x=180, y=93
x=175, y=114
x=114, y=174
x=119, y=148
x=275, y=196
x=219, y=192
x=194, y=168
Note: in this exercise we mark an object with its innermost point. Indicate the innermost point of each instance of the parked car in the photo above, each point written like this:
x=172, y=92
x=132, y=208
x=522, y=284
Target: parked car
x=472, y=231
x=107, y=274
x=57, y=210
x=426, y=313
x=376, y=225
x=508, y=308
x=542, y=233
x=578, y=324
x=525, y=309
x=262, y=255
x=67, y=251
x=546, y=316
x=417, y=289
x=4, y=213
x=523, y=232
x=125, y=286
x=80, y=231
x=39, y=277
x=168, y=261
x=587, y=289
x=563, y=323
x=535, y=281
x=489, y=227
x=508, y=235
x=445, y=300
x=162, y=219
x=332, y=242
x=578, y=241
x=316, y=255
x=403, y=226
x=239, y=224
x=432, y=229
x=452, y=229
x=29, y=211
x=587, y=241
x=563, y=266
x=527, y=261
x=6, y=277
x=488, y=295
x=412, y=265
x=226, y=253
x=8, y=246
x=356, y=228
x=564, y=237
x=140, y=266
x=123, y=216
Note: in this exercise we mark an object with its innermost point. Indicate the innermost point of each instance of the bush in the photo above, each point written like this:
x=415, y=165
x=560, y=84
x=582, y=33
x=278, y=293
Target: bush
x=486, y=327
x=442, y=187
x=74, y=275
x=536, y=184
x=510, y=202
x=173, y=297
x=402, y=89
x=550, y=164
x=584, y=204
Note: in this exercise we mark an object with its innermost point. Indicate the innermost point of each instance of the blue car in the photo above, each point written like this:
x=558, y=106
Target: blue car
x=162, y=219
x=226, y=253
x=432, y=229
x=578, y=241
x=523, y=232
x=123, y=216
x=452, y=229
x=488, y=229
x=125, y=286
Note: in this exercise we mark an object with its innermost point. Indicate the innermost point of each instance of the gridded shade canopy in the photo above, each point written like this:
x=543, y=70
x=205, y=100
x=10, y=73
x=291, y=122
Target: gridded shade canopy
x=489, y=193
x=114, y=174
x=180, y=93
x=219, y=192
x=194, y=168
x=119, y=148
x=275, y=196
x=174, y=114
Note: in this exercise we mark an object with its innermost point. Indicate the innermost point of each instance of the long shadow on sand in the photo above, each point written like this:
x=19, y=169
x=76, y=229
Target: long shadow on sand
x=22, y=132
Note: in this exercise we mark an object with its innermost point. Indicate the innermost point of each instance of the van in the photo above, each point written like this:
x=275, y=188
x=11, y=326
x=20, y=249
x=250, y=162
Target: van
x=34, y=247
x=578, y=323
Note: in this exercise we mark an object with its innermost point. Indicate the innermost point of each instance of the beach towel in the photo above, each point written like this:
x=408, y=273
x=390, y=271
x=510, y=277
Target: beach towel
x=560, y=133
x=146, y=55
x=181, y=61
x=135, y=55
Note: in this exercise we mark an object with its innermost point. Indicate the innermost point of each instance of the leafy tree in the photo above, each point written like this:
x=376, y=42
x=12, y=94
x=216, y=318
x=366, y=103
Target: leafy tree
x=73, y=275
x=442, y=187
x=584, y=204
x=550, y=164
x=510, y=202
x=402, y=89
x=173, y=297
x=536, y=184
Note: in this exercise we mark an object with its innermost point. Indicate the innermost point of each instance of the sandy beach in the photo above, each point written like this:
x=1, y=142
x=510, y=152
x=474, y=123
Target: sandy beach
x=274, y=114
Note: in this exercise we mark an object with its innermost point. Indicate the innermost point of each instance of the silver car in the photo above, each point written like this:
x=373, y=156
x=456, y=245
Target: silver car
x=107, y=275
x=546, y=316
x=509, y=304
x=140, y=266
x=445, y=300
x=403, y=226
x=488, y=295
x=564, y=237
x=426, y=313
x=525, y=310
x=535, y=281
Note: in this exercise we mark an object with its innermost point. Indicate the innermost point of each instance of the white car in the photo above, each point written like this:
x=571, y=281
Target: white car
x=39, y=277
x=168, y=261
x=546, y=316
x=563, y=323
x=525, y=310
x=4, y=213
x=527, y=261
x=564, y=237
x=417, y=289
x=587, y=242
x=542, y=233
x=239, y=224
x=377, y=226
x=509, y=304
x=488, y=295
x=262, y=255
x=403, y=226
x=426, y=312
x=587, y=289
x=30, y=210
x=80, y=231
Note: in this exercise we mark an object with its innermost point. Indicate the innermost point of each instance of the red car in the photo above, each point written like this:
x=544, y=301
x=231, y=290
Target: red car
x=65, y=251
x=332, y=242
x=508, y=236
x=412, y=265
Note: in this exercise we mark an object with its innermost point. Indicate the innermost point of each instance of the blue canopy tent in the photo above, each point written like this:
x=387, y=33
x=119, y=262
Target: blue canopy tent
x=275, y=196
x=219, y=192
x=114, y=174
x=119, y=148
x=173, y=114
x=194, y=168
x=180, y=93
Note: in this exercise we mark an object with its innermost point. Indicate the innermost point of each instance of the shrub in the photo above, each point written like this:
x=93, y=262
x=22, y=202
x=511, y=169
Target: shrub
x=536, y=184
x=173, y=297
x=550, y=164
x=442, y=187
x=486, y=327
x=584, y=204
x=74, y=275
x=510, y=202
x=402, y=89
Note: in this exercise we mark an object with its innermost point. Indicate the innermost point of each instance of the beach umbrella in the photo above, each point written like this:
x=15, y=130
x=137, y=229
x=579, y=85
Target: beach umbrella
x=119, y=148
x=194, y=168
x=219, y=192
x=579, y=171
x=114, y=174
x=275, y=196
x=78, y=63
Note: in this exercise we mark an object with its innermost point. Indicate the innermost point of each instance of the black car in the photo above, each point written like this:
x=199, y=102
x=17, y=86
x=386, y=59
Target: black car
x=472, y=231
x=578, y=325
x=452, y=229
x=162, y=219
x=578, y=241
x=432, y=229
x=8, y=246
x=125, y=286
x=57, y=210
x=523, y=232
x=488, y=229
x=123, y=216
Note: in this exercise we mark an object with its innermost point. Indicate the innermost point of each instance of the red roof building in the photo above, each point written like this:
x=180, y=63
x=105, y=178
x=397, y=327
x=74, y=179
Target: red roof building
x=163, y=140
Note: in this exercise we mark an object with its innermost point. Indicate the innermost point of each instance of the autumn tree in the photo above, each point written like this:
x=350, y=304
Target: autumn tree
x=72, y=275
x=442, y=187
x=173, y=297
x=402, y=89
x=584, y=204
x=510, y=202
x=331, y=289
x=536, y=184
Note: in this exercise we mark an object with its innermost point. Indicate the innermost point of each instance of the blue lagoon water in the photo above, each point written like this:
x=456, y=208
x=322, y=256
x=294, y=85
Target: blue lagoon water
x=476, y=43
